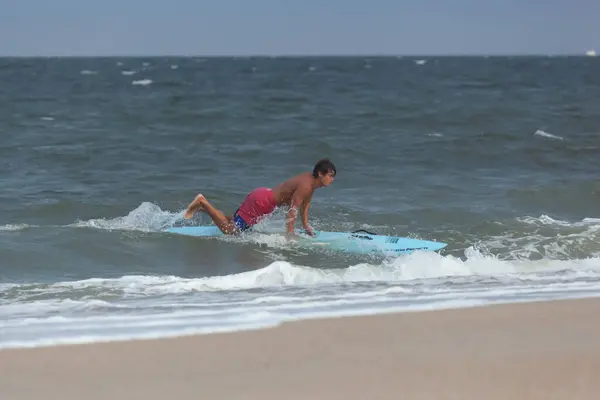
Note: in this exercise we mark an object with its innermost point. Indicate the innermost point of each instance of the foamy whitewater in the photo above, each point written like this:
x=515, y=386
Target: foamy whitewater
x=495, y=156
x=144, y=306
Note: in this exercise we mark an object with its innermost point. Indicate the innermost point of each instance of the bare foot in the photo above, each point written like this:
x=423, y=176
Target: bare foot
x=196, y=205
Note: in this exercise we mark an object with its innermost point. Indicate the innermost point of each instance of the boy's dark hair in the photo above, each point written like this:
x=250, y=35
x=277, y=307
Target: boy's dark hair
x=324, y=166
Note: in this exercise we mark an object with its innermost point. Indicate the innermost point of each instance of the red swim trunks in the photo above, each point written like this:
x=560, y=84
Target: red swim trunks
x=258, y=203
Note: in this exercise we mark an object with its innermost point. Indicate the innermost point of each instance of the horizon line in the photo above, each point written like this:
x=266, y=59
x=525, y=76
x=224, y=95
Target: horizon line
x=293, y=55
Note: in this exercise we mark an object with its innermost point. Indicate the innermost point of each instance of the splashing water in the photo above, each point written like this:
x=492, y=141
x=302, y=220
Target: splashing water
x=534, y=261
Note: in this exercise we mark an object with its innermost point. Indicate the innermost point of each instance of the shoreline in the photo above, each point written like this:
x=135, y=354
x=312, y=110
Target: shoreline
x=540, y=349
x=218, y=330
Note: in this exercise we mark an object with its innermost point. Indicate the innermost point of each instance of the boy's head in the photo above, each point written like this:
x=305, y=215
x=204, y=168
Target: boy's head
x=324, y=171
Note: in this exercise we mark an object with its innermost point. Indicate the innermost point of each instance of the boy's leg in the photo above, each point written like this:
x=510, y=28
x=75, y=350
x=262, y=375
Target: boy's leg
x=223, y=222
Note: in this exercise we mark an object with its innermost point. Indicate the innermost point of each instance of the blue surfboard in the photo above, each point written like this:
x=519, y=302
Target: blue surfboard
x=358, y=242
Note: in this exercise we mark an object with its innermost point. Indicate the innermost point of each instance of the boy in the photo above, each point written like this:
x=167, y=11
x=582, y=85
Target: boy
x=296, y=193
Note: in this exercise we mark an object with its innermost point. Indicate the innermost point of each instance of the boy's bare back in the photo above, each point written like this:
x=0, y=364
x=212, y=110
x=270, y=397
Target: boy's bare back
x=302, y=183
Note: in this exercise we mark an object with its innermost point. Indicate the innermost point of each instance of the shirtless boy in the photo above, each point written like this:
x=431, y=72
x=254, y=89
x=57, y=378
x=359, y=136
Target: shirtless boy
x=296, y=193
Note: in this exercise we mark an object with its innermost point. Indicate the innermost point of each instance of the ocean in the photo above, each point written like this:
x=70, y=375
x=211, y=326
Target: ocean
x=496, y=156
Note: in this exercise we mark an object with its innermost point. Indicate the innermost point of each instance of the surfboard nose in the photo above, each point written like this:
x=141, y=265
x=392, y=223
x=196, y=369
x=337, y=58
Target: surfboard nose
x=435, y=246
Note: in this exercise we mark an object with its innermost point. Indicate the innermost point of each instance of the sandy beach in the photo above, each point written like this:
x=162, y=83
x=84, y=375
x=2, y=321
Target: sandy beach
x=544, y=350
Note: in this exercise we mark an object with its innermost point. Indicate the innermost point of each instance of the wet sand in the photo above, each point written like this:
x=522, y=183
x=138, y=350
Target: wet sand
x=542, y=350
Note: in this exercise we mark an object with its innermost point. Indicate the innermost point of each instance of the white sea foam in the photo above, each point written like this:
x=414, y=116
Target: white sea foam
x=144, y=306
x=547, y=135
x=17, y=227
x=142, y=82
x=145, y=218
x=410, y=269
x=547, y=220
x=41, y=323
x=159, y=306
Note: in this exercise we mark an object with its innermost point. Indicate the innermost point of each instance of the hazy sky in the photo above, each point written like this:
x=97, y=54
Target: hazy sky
x=197, y=27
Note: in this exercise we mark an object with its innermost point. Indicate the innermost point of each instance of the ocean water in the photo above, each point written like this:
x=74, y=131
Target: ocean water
x=498, y=157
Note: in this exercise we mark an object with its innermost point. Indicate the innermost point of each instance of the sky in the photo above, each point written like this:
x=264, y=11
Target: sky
x=306, y=27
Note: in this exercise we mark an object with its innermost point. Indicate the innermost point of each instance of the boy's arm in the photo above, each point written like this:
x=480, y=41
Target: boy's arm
x=298, y=198
x=305, y=206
